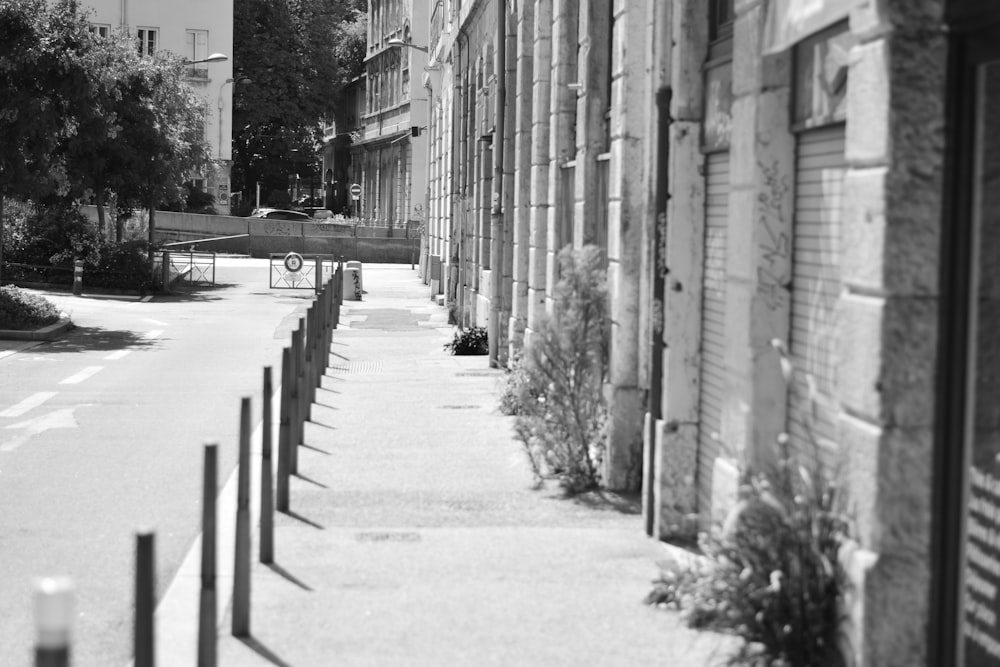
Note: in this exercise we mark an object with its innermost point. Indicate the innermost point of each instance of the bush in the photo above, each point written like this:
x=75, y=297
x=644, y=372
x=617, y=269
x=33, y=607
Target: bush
x=21, y=310
x=556, y=389
x=469, y=341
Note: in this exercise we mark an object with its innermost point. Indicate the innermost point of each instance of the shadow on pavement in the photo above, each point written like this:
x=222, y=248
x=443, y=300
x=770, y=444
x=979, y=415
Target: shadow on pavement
x=609, y=501
x=263, y=651
x=289, y=576
x=311, y=481
x=79, y=339
x=308, y=522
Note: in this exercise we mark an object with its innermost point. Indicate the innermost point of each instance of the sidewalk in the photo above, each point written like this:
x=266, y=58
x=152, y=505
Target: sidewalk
x=416, y=537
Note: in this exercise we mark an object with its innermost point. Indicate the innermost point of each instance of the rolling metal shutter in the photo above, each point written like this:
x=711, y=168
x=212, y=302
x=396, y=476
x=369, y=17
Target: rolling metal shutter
x=819, y=178
x=713, y=317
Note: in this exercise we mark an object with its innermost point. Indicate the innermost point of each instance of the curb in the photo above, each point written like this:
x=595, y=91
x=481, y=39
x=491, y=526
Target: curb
x=45, y=333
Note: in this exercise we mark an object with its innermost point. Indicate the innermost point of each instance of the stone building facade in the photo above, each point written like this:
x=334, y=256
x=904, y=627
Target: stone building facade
x=778, y=189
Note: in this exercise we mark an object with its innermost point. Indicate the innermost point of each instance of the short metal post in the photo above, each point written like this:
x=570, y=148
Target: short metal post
x=78, y=277
x=241, y=564
x=266, y=489
x=145, y=598
x=284, y=429
x=310, y=343
x=296, y=425
x=208, y=604
x=165, y=270
x=53, y=621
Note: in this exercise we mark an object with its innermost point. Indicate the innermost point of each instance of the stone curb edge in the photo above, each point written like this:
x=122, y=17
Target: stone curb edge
x=45, y=333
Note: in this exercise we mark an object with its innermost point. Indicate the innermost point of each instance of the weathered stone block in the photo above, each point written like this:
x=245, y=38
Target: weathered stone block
x=863, y=225
x=869, y=19
x=675, y=494
x=623, y=457
x=747, y=61
x=859, y=448
x=859, y=351
x=868, y=100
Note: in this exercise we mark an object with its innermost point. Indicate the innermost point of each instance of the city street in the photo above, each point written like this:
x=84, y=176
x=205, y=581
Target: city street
x=101, y=433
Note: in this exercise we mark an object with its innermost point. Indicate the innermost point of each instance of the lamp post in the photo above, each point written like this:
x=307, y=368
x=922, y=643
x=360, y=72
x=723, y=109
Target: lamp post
x=214, y=58
x=396, y=41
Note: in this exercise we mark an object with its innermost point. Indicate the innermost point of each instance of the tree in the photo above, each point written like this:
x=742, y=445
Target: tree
x=44, y=79
x=162, y=130
x=297, y=55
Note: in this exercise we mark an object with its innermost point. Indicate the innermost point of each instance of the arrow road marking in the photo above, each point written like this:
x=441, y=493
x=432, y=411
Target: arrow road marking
x=83, y=375
x=62, y=418
x=32, y=401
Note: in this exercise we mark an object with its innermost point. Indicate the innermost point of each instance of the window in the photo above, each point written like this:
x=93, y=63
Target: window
x=196, y=48
x=100, y=29
x=720, y=19
x=148, y=40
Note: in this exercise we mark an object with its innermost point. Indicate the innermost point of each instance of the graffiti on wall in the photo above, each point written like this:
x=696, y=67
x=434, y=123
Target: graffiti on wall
x=774, y=268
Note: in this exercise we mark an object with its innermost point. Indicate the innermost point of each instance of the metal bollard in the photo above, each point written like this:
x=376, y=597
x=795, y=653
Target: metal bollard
x=284, y=427
x=266, y=489
x=145, y=598
x=78, y=277
x=208, y=602
x=165, y=271
x=53, y=621
x=296, y=423
x=307, y=368
x=241, y=557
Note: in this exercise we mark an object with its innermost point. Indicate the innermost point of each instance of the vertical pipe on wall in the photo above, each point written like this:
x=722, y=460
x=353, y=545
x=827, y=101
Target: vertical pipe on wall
x=659, y=272
x=496, y=208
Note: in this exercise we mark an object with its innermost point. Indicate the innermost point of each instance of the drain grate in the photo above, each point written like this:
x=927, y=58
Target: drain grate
x=388, y=537
x=480, y=374
x=357, y=367
x=459, y=407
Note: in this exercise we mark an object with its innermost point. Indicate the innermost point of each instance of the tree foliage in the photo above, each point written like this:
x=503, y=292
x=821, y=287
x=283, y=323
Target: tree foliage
x=84, y=115
x=297, y=55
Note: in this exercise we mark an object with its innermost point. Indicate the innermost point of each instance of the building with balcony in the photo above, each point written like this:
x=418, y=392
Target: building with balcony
x=193, y=30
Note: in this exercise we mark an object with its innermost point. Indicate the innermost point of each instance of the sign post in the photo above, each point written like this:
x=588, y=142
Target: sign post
x=356, y=196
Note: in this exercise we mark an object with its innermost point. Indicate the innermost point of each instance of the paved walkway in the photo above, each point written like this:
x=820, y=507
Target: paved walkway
x=416, y=536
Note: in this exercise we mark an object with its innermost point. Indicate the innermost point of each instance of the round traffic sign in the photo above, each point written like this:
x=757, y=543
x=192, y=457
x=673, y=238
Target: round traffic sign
x=293, y=262
x=356, y=190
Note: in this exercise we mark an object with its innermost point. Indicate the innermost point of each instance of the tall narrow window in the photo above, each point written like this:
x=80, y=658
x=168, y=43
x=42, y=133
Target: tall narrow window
x=100, y=29
x=148, y=40
x=196, y=48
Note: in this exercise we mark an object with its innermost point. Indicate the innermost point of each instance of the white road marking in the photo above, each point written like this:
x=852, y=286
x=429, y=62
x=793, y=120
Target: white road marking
x=32, y=401
x=83, y=375
x=117, y=355
x=150, y=335
x=7, y=353
x=156, y=322
x=62, y=418
x=146, y=299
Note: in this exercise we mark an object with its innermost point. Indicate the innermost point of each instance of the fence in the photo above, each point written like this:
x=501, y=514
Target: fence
x=303, y=365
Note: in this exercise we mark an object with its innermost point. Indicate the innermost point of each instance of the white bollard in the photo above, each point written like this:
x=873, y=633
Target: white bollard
x=53, y=621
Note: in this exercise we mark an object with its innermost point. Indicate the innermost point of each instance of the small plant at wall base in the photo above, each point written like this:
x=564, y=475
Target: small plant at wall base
x=773, y=575
x=469, y=341
x=556, y=389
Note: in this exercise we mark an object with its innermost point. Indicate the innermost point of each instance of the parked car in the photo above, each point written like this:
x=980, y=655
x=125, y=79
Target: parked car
x=279, y=214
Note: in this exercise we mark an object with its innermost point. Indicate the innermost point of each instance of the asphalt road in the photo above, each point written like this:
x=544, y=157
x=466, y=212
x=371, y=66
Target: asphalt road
x=102, y=433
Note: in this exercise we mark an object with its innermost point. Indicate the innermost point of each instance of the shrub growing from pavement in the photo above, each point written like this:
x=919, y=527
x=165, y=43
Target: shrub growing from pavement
x=556, y=389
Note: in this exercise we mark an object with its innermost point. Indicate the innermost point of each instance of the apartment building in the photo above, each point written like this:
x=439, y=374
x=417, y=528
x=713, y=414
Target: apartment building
x=193, y=29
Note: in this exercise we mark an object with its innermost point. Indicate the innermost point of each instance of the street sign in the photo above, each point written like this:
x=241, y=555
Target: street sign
x=356, y=192
x=293, y=262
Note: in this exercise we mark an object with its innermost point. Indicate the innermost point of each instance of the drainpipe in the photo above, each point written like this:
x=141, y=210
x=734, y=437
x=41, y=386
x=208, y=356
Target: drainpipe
x=661, y=196
x=497, y=212
x=457, y=187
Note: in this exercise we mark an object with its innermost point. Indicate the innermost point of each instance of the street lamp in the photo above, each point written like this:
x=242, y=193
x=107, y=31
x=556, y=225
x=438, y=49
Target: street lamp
x=214, y=58
x=396, y=41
